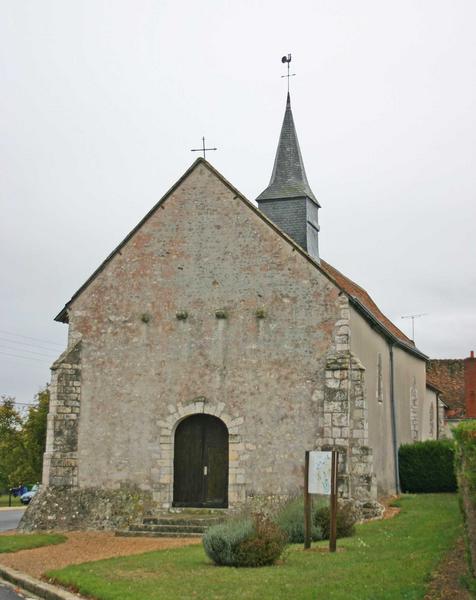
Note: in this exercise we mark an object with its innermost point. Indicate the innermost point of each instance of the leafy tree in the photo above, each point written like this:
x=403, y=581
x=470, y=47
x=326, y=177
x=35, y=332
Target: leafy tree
x=22, y=441
x=10, y=441
x=34, y=436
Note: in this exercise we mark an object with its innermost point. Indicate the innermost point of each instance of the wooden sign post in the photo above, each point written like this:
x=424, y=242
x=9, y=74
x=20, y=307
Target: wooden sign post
x=333, y=525
x=307, y=504
x=320, y=477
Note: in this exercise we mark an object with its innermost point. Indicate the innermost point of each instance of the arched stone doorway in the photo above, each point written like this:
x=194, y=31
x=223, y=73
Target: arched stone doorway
x=201, y=462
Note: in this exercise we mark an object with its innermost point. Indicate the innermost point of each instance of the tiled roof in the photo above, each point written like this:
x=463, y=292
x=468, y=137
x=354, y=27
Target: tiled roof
x=351, y=288
x=288, y=179
x=448, y=375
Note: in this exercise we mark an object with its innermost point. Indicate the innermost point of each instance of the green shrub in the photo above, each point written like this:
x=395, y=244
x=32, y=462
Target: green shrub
x=465, y=455
x=291, y=521
x=465, y=462
x=245, y=542
x=222, y=541
x=427, y=466
x=264, y=547
x=346, y=520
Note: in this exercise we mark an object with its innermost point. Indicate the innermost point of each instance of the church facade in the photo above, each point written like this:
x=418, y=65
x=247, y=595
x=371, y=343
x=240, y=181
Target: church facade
x=207, y=353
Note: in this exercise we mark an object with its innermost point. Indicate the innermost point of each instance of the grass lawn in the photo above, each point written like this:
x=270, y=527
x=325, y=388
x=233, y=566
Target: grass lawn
x=386, y=559
x=4, y=500
x=14, y=543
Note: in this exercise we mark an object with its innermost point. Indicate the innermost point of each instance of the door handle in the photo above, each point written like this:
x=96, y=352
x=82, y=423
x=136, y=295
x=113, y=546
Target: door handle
x=205, y=470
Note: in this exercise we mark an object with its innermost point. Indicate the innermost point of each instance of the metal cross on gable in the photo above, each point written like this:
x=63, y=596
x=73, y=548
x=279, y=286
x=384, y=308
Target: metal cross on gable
x=203, y=149
x=287, y=59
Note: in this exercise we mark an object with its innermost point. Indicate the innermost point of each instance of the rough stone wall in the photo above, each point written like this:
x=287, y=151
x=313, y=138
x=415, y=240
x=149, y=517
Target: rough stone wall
x=344, y=422
x=205, y=309
x=70, y=508
x=60, y=462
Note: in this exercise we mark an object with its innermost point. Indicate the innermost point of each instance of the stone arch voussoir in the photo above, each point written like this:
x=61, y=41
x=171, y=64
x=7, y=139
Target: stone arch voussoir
x=168, y=426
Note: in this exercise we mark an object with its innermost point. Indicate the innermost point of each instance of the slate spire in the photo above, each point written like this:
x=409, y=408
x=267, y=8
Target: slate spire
x=288, y=179
x=288, y=200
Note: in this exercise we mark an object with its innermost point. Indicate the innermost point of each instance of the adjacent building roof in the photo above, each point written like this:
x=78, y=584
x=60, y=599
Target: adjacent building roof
x=355, y=291
x=288, y=179
x=447, y=375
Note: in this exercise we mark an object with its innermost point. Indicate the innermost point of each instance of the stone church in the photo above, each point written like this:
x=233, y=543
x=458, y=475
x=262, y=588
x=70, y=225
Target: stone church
x=210, y=350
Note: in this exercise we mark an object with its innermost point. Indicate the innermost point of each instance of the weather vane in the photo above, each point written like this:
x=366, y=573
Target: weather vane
x=287, y=59
x=203, y=149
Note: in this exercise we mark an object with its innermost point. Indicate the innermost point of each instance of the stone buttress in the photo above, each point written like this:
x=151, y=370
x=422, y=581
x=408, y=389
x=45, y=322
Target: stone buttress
x=344, y=419
x=60, y=463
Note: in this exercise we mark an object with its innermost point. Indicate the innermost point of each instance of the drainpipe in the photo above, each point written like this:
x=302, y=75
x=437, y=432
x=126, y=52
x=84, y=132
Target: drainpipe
x=394, y=419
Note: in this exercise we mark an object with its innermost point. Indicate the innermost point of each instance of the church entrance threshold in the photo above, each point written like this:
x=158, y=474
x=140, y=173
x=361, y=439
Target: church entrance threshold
x=201, y=463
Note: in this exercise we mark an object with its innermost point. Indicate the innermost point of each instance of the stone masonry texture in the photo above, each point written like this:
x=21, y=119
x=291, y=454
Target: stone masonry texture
x=60, y=466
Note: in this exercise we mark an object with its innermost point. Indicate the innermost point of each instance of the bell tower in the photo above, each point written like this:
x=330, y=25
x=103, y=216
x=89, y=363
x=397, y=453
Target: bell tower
x=288, y=200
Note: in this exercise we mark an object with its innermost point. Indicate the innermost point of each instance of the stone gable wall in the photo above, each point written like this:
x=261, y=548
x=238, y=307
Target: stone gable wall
x=205, y=309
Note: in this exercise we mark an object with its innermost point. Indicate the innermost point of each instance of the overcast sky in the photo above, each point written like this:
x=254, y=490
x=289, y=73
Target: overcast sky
x=101, y=102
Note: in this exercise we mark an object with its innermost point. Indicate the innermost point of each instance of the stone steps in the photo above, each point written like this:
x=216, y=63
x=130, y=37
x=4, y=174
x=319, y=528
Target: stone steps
x=183, y=524
x=155, y=534
x=206, y=522
x=171, y=528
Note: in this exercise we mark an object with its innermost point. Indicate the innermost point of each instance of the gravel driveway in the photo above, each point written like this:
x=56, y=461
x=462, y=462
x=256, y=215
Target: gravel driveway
x=85, y=546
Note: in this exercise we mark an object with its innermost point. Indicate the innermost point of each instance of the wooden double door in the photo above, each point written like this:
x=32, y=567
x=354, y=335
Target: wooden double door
x=201, y=462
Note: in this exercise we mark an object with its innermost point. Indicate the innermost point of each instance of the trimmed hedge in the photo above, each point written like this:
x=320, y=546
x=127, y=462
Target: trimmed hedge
x=465, y=460
x=427, y=466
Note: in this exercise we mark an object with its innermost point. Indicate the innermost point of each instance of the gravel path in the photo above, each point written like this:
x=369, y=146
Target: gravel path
x=85, y=546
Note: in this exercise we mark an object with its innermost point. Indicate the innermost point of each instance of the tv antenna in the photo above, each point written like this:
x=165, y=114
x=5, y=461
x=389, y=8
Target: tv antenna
x=284, y=60
x=413, y=317
x=203, y=149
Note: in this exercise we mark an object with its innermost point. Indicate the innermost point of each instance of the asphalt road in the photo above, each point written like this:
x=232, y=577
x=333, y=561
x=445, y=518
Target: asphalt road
x=9, y=519
x=8, y=592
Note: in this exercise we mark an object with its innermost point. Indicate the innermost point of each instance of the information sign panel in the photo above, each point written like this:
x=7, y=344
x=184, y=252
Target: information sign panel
x=320, y=472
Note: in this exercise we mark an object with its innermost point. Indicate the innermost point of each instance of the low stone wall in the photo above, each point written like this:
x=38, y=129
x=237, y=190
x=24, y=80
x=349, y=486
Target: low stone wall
x=66, y=508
